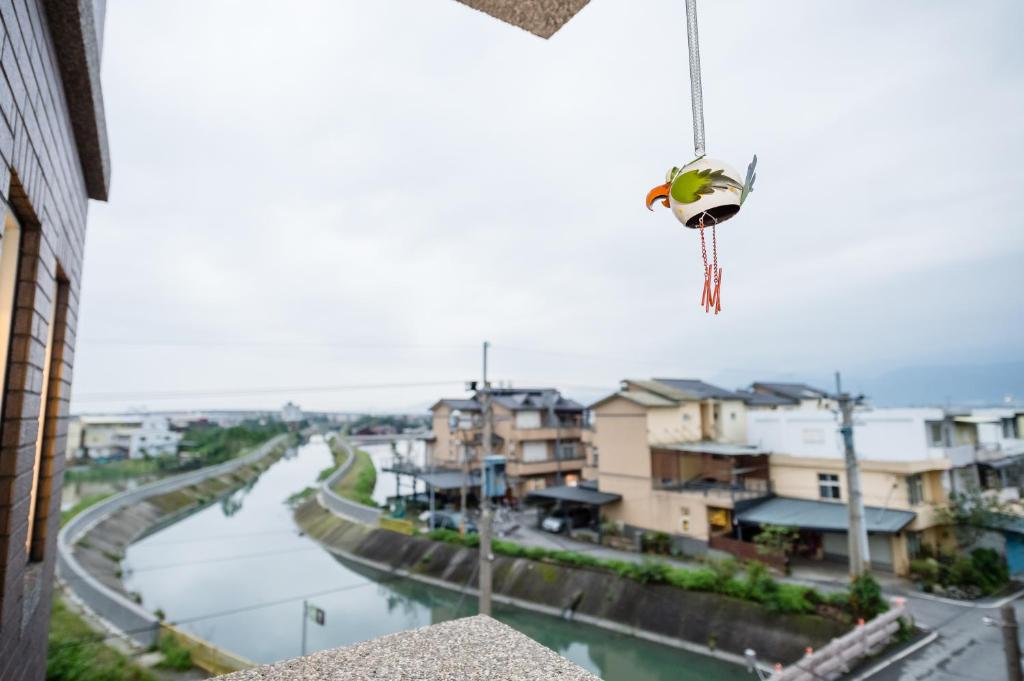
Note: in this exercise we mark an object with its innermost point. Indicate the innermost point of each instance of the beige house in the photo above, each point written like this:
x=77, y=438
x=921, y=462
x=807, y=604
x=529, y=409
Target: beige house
x=675, y=450
x=905, y=474
x=537, y=430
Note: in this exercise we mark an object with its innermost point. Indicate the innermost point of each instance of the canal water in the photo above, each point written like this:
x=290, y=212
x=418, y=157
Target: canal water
x=237, y=572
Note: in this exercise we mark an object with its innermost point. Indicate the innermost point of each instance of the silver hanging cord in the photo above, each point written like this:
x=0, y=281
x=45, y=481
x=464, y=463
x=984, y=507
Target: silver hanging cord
x=696, y=98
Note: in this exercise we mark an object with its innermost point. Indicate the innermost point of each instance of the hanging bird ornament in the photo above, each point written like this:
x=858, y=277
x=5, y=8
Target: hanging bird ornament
x=704, y=192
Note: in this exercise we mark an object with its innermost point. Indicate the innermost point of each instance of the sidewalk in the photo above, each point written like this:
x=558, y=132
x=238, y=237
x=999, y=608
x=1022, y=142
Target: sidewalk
x=827, y=577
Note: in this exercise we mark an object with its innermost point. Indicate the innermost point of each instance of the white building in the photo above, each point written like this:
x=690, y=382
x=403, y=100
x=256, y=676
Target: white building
x=132, y=436
x=291, y=415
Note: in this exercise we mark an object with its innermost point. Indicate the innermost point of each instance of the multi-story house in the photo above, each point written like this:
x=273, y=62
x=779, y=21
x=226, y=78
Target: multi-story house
x=538, y=431
x=772, y=395
x=676, y=452
x=121, y=437
x=905, y=467
x=53, y=159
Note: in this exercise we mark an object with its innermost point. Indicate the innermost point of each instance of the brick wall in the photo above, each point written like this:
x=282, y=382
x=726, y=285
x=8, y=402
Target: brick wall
x=42, y=182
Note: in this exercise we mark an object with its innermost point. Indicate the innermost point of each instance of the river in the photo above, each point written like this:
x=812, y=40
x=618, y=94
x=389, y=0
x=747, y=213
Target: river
x=236, y=574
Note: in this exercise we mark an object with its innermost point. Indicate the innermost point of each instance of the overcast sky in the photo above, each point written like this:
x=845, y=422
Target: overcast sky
x=352, y=193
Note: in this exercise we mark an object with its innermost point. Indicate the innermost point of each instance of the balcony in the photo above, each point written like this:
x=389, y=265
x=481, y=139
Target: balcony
x=747, y=488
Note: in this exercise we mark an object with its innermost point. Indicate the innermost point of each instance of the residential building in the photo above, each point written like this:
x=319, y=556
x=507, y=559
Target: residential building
x=794, y=395
x=537, y=430
x=675, y=451
x=131, y=436
x=291, y=416
x=54, y=159
x=904, y=474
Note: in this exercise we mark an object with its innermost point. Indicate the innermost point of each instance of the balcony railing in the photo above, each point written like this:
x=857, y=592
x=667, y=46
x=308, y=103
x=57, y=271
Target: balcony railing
x=748, y=488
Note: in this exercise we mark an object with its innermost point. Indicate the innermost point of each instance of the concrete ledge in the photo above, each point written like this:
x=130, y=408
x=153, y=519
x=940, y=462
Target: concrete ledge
x=470, y=649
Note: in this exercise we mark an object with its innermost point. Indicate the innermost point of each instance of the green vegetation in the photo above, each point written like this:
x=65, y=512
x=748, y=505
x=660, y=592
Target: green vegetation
x=211, y=446
x=77, y=653
x=400, y=423
x=176, y=656
x=82, y=504
x=360, y=480
x=982, y=573
x=776, y=540
x=866, y=600
x=201, y=446
x=127, y=469
x=721, y=577
x=294, y=500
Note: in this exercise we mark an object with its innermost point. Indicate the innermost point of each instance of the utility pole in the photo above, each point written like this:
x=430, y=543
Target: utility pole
x=1011, y=644
x=485, y=501
x=305, y=616
x=857, y=534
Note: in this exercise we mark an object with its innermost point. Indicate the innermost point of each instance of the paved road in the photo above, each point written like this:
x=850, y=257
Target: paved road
x=964, y=649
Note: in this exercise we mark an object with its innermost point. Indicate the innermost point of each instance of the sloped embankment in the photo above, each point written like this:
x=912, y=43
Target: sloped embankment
x=101, y=549
x=655, y=611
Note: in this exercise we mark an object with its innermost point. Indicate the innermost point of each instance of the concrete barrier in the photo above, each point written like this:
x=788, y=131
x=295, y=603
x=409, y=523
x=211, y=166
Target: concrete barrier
x=843, y=653
x=124, y=616
x=339, y=505
x=205, y=655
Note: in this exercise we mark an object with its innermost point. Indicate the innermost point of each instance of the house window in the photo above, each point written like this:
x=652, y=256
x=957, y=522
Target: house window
x=10, y=241
x=915, y=489
x=914, y=544
x=567, y=450
x=936, y=435
x=1009, y=429
x=828, y=486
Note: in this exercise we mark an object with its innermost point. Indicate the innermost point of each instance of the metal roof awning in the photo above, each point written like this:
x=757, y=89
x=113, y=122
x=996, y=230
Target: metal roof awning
x=822, y=515
x=719, y=448
x=579, y=495
x=445, y=480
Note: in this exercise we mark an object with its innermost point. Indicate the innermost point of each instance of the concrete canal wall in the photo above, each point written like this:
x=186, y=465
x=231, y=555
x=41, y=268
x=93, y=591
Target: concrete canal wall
x=701, y=622
x=91, y=545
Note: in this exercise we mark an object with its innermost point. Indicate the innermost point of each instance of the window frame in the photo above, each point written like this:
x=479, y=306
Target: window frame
x=829, y=481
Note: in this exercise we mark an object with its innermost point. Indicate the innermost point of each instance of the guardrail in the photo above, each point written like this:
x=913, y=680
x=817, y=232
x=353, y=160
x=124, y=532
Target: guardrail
x=338, y=504
x=122, y=614
x=841, y=654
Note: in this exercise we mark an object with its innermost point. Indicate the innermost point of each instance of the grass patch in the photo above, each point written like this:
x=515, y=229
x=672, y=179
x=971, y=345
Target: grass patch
x=721, y=577
x=176, y=656
x=77, y=653
x=294, y=500
x=360, y=480
x=84, y=503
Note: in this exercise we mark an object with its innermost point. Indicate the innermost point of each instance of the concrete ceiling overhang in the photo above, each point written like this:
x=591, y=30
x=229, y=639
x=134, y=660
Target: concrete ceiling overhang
x=540, y=17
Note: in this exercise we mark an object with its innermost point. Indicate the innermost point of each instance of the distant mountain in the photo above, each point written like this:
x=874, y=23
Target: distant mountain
x=963, y=385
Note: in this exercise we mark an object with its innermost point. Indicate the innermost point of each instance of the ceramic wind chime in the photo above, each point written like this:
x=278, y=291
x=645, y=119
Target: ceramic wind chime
x=704, y=192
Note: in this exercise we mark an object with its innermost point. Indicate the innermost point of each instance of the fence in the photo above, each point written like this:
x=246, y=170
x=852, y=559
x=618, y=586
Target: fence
x=116, y=609
x=335, y=503
x=841, y=654
x=205, y=655
x=745, y=550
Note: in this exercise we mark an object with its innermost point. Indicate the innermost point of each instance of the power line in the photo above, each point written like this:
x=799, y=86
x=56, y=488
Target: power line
x=241, y=392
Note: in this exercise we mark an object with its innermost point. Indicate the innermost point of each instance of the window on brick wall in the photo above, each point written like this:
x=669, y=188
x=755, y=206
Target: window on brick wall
x=10, y=241
x=49, y=416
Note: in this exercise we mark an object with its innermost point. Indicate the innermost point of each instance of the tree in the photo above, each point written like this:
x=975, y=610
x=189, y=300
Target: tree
x=971, y=513
x=776, y=540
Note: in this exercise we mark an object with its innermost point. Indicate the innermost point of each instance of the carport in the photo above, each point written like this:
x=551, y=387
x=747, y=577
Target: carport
x=570, y=497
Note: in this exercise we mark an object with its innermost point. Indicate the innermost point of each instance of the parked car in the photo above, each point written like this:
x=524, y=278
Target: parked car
x=563, y=520
x=447, y=520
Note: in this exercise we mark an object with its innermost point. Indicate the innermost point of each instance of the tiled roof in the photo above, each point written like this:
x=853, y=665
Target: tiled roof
x=756, y=399
x=796, y=391
x=698, y=390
